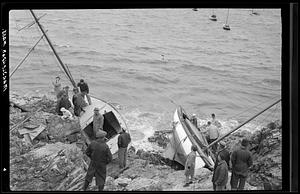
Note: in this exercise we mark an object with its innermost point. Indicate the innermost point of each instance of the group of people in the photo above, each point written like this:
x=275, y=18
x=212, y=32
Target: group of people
x=98, y=151
x=64, y=106
x=100, y=154
x=238, y=161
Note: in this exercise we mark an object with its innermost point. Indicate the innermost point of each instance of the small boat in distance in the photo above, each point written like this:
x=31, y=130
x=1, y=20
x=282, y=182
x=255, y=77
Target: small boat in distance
x=226, y=27
x=213, y=17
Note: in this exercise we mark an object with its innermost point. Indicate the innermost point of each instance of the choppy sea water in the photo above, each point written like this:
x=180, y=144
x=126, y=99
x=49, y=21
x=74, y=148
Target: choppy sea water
x=148, y=60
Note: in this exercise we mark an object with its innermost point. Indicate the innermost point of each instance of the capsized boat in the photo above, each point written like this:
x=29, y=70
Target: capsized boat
x=113, y=120
x=185, y=134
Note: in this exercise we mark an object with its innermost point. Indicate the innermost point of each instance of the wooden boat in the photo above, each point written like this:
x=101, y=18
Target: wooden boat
x=185, y=134
x=113, y=120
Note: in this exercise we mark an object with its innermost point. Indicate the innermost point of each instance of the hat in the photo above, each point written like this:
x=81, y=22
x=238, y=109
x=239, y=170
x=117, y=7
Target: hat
x=194, y=148
x=245, y=142
x=81, y=80
x=96, y=109
x=63, y=109
x=222, y=143
x=193, y=115
x=100, y=134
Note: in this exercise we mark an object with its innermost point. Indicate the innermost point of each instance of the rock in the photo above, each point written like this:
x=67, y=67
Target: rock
x=123, y=182
x=143, y=184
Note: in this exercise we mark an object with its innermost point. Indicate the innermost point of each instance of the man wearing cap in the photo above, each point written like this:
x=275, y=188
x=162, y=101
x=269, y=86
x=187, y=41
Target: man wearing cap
x=84, y=89
x=194, y=120
x=241, y=160
x=98, y=120
x=224, y=151
x=214, y=121
x=123, y=140
x=100, y=156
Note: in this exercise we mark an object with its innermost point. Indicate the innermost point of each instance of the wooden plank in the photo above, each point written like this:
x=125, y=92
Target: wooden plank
x=33, y=133
x=20, y=123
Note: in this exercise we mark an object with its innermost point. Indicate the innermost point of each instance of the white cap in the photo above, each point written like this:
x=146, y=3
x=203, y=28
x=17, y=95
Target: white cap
x=194, y=115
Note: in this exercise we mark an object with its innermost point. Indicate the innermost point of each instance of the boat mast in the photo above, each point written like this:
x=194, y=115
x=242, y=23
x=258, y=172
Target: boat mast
x=227, y=16
x=216, y=141
x=53, y=49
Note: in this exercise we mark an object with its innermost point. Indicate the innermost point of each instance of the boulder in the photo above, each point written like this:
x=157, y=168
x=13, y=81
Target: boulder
x=123, y=182
x=144, y=184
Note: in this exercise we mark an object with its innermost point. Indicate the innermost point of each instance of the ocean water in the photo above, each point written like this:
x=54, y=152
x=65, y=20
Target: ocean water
x=147, y=61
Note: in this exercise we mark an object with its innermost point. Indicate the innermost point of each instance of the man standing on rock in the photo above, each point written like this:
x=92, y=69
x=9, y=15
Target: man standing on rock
x=220, y=176
x=98, y=121
x=223, y=150
x=190, y=166
x=241, y=160
x=100, y=156
x=84, y=89
x=123, y=141
x=213, y=134
x=78, y=102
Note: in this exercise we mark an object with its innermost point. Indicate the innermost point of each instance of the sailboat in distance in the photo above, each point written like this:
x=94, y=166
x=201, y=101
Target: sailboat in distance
x=213, y=17
x=226, y=25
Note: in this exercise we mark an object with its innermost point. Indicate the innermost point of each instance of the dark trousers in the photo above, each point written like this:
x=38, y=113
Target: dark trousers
x=237, y=181
x=122, y=155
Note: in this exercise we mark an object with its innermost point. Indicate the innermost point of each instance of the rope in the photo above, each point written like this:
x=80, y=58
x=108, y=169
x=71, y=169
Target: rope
x=250, y=108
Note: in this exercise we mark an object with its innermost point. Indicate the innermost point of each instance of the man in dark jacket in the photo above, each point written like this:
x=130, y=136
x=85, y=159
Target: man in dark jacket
x=241, y=160
x=63, y=102
x=220, y=176
x=84, y=88
x=100, y=156
x=78, y=102
x=123, y=140
x=223, y=150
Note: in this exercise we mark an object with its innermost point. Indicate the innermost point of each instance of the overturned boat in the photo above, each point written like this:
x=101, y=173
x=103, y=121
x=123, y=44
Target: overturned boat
x=113, y=120
x=185, y=134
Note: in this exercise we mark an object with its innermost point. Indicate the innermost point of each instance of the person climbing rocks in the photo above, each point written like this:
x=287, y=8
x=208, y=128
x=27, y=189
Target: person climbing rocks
x=100, y=155
x=241, y=160
x=98, y=120
x=57, y=86
x=220, y=175
x=63, y=102
x=189, y=166
x=84, y=89
x=123, y=141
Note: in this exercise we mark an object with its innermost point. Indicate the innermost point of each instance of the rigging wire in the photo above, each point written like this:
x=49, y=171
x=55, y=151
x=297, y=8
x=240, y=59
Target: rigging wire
x=255, y=106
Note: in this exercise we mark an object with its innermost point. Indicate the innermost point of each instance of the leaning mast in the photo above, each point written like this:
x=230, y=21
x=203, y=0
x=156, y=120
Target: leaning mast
x=53, y=49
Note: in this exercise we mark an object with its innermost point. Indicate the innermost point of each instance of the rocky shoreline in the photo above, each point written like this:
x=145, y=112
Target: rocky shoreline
x=55, y=158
